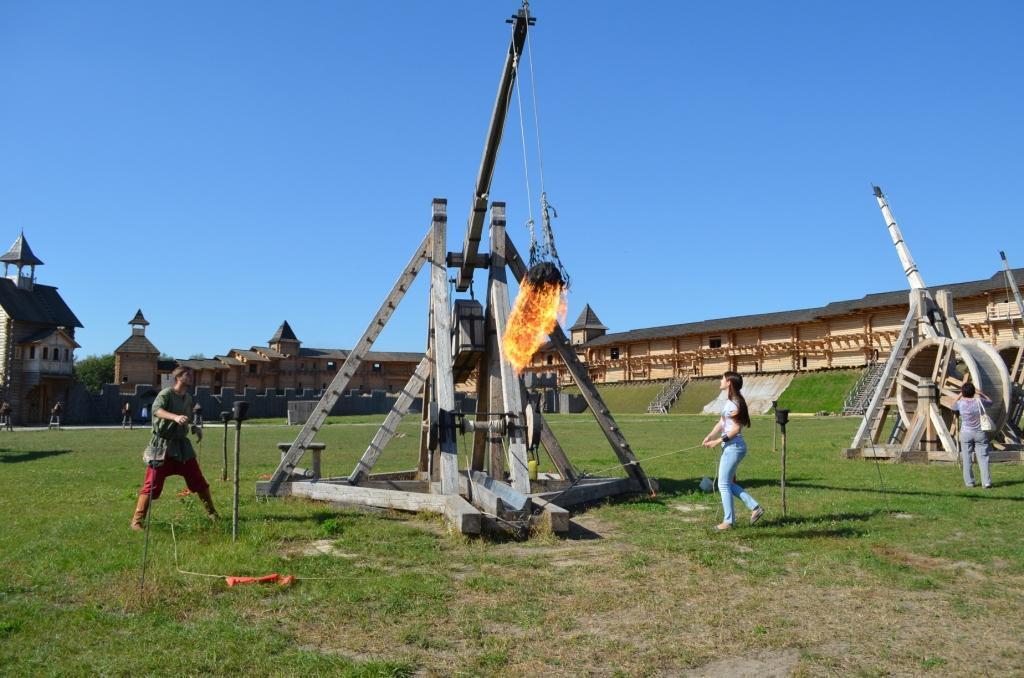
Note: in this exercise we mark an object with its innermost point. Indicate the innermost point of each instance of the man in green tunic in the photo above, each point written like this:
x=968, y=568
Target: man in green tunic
x=171, y=411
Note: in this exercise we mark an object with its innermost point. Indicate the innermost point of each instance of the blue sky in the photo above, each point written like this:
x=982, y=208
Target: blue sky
x=225, y=166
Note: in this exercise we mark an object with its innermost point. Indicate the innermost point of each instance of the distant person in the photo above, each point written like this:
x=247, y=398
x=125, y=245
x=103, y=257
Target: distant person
x=5, y=416
x=171, y=449
x=971, y=405
x=144, y=414
x=729, y=432
x=55, y=413
x=126, y=416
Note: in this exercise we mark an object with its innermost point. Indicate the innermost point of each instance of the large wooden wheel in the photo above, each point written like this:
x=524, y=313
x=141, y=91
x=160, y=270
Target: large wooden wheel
x=949, y=363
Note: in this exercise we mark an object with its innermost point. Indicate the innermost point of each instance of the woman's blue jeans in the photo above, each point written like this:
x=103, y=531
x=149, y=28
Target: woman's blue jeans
x=732, y=455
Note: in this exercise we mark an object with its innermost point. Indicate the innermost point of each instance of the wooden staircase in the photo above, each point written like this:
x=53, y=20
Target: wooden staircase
x=664, y=401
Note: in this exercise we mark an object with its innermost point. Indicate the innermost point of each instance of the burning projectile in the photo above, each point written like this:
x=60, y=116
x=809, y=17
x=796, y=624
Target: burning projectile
x=541, y=300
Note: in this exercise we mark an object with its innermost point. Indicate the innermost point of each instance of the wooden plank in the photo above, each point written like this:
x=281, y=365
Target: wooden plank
x=510, y=384
x=441, y=338
x=483, y=398
x=412, y=474
x=402, y=485
x=461, y=515
x=948, y=444
x=337, y=386
x=591, y=490
x=578, y=371
x=484, y=484
x=871, y=425
x=371, y=496
x=554, y=517
x=389, y=428
x=495, y=444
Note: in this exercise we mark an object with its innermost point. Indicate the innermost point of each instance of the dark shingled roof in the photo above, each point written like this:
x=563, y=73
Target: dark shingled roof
x=836, y=308
x=228, y=360
x=137, y=343
x=371, y=356
x=42, y=304
x=588, y=320
x=284, y=332
x=203, y=364
x=21, y=253
x=139, y=319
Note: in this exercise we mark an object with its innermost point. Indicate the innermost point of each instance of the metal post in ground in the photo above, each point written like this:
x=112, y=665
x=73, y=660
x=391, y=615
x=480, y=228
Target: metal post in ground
x=225, y=417
x=782, y=418
x=238, y=412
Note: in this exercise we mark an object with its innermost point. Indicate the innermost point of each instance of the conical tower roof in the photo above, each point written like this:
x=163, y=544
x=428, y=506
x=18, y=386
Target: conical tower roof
x=139, y=319
x=588, y=320
x=21, y=254
x=284, y=333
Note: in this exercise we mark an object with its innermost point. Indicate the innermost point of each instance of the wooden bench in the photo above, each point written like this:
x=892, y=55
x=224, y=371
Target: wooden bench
x=315, y=449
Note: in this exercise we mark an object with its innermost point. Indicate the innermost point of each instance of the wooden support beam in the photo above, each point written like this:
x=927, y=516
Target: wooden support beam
x=553, y=516
x=495, y=496
x=510, y=384
x=460, y=513
x=337, y=386
x=442, y=345
x=590, y=490
x=387, y=430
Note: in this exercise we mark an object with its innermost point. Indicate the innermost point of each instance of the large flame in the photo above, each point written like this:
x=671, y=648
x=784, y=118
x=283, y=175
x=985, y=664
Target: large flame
x=537, y=309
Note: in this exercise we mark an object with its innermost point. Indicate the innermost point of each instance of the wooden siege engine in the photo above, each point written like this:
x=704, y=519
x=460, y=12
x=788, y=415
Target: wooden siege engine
x=494, y=487
x=929, y=362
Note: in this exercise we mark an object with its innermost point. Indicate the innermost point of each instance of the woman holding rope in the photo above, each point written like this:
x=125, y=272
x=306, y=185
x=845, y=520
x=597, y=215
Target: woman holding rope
x=729, y=432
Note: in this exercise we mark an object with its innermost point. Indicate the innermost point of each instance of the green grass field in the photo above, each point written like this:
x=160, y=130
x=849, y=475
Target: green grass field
x=819, y=391
x=923, y=577
x=627, y=399
x=696, y=394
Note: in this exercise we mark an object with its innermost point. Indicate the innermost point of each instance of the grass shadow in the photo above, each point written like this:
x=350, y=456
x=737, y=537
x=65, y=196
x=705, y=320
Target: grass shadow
x=964, y=494
x=19, y=457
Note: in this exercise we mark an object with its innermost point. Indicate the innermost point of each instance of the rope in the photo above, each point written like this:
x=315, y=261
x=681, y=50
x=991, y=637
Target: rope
x=177, y=567
x=522, y=137
x=536, y=114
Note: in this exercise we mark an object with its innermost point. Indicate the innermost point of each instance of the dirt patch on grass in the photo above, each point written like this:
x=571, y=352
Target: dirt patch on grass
x=927, y=563
x=763, y=664
x=317, y=547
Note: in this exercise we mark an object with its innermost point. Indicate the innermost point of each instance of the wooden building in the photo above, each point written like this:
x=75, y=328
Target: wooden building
x=282, y=364
x=135, y=360
x=37, y=339
x=852, y=333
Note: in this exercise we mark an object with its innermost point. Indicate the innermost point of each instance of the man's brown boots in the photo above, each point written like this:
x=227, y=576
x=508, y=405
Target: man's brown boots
x=141, y=508
x=207, y=499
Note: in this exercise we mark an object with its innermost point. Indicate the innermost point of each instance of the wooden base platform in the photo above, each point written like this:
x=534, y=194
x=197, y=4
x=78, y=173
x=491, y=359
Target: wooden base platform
x=483, y=502
x=1009, y=455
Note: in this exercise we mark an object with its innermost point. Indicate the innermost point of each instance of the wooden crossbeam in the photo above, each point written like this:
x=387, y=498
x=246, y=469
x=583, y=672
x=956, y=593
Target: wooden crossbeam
x=337, y=386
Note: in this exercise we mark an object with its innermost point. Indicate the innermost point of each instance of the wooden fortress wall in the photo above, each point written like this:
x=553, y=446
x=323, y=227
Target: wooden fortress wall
x=844, y=341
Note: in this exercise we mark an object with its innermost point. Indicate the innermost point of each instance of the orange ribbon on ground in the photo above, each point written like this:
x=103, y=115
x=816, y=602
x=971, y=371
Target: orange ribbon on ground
x=286, y=580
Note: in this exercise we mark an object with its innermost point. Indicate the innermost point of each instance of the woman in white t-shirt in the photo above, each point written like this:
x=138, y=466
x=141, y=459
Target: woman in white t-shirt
x=729, y=432
x=971, y=405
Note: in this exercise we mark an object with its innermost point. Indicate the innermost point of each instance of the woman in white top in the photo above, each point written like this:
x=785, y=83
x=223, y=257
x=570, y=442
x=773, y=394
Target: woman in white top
x=973, y=441
x=729, y=432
